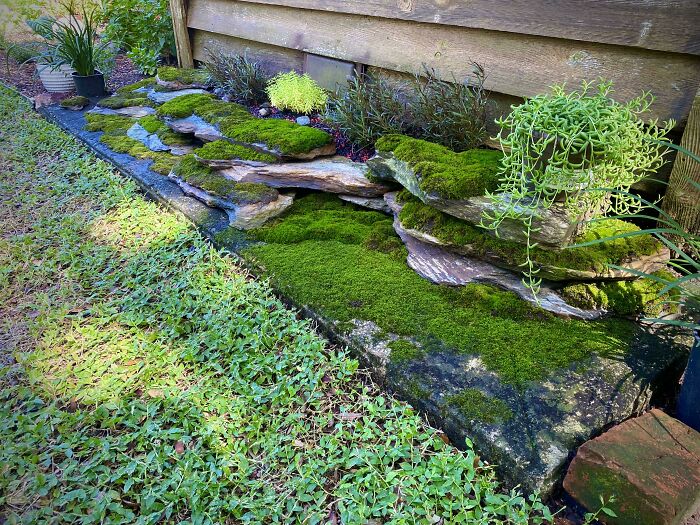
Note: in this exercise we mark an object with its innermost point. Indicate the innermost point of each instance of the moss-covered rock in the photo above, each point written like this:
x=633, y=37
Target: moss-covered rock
x=200, y=176
x=403, y=350
x=144, y=83
x=163, y=162
x=185, y=77
x=625, y=297
x=126, y=99
x=321, y=254
x=570, y=263
x=224, y=150
x=109, y=124
x=77, y=102
x=443, y=172
x=475, y=405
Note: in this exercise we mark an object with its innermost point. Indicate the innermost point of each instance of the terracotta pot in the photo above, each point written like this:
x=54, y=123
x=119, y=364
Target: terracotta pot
x=59, y=80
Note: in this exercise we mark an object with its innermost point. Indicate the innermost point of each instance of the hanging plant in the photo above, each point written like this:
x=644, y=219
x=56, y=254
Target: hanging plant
x=575, y=149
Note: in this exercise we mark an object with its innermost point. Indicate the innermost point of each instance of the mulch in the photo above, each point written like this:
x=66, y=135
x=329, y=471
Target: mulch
x=24, y=78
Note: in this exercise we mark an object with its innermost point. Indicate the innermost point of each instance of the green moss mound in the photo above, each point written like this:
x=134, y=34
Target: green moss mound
x=74, y=101
x=152, y=124
x=183, y=76
x=449, y=229
x=144, y=83
x=110, y=124
x=224, y=150
x=626, y=297
x=163, y=162
x=474, y=404
x=236, y=123
x=402, y=350
x=320, y=255
x=125, y=100
x=203, y=177
x=443, y=172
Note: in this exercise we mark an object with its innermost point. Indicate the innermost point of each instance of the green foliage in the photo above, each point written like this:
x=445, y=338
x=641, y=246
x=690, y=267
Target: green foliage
x=196, y=77
x=626, y=297
x=205, y=178
x=23, y=52
x=299, y=93
x=443, y=172
x=158, y=383
x=449, y=112
x=74, y=102
x=474, y=404
x=143, y=28
x=224, y=150
x=241, y=79
x=368, y=108
x=581, y=145
x=596, y=257
x=318, y=254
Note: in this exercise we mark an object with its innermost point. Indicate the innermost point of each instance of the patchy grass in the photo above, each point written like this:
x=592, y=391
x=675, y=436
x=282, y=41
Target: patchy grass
x=155, y=382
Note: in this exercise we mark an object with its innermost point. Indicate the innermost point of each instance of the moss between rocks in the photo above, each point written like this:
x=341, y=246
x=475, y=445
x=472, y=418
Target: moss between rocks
x=320, y=255
x=443, y=172
x=77, y=101
x=419, y=216
x=167, y=136
x=224, y=150
x=152, y=124
x=110, y=124
x=163, y=162
x=402, y=350
x=237, y=123
x=624, y=297
x=146, y=82
x=474, y=404
x=183, y=76
x=211, y=181
x=127, y=99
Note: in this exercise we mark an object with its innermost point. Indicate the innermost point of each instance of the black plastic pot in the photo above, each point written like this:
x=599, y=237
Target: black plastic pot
x=90, y=85
x=688, y=409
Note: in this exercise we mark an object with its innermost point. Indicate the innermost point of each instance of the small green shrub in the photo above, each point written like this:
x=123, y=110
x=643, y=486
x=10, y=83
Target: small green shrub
x=299, y=93
x=243, y=80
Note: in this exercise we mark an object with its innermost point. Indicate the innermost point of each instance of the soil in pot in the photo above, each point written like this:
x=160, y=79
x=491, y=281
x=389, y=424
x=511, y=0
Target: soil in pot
x=90, y=85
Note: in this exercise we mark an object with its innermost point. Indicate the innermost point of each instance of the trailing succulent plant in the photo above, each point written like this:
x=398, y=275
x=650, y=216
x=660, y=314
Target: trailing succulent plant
x=296, y=92
x=581, y=149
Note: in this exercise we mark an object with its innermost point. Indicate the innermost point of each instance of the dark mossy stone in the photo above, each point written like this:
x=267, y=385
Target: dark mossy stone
x=476, y=405
x=443, y=172
x=75, y=102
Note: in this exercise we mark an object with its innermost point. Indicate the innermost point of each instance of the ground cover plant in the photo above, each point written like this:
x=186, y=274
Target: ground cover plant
x=146, y=379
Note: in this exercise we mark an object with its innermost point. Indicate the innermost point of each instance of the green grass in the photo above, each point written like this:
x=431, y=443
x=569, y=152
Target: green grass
x=155, y=382
x=444, y=172
x=321, y=253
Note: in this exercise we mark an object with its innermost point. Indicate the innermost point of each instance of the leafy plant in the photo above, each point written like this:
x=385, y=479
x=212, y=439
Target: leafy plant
x=450, y=113
x=241, y=79
x=592, y=517
x=143, y=28
x=579, y=148
x=299, y=93
x=368, y=108
x=686, y=261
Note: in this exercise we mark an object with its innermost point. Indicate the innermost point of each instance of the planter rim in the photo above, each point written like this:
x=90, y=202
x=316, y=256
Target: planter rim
x=97, y=73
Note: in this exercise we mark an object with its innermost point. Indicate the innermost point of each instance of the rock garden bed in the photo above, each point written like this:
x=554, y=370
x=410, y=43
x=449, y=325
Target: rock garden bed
x=389, y=257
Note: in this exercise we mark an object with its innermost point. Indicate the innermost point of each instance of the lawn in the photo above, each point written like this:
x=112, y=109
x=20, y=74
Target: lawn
x=147, y=379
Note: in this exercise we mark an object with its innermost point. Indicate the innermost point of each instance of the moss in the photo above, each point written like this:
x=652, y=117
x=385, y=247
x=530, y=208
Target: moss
x=444, y=172
x=474, y=404
x=110, y=124
x=163, y=162
x=146, y=82
x=625, y=297
x=318, y=254
x=119, y=143
x=152, y=124
x=415, y=389
x=211, y=181
x=224, y=150
x=183, y=76
x=287, y=137
x=402, y=350
x=184, y=106
x=125, y=100
x=416, y=215
x=75, y=101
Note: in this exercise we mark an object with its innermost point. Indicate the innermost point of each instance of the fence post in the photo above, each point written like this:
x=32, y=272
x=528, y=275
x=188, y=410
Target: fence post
x=682, y=200
x=178, y=11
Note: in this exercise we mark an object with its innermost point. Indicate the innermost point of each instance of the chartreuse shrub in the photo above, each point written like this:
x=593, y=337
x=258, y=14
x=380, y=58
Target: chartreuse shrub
x=237, y=123
x=224, y=150
x=443, y=172
x=298, y=93
x=157, y=383
x=451, y=230
x=320, y=254
x=580, y=148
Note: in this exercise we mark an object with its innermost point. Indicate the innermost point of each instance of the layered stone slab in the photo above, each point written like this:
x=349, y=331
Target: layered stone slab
x=152, y=141
x=129, y=111
x=652, y=465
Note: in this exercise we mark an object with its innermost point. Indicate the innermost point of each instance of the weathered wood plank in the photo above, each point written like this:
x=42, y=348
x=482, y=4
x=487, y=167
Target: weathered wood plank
x=682, y=200
x=178, y=11
x=651, y=24
x=274, y=59
x=515, y=64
